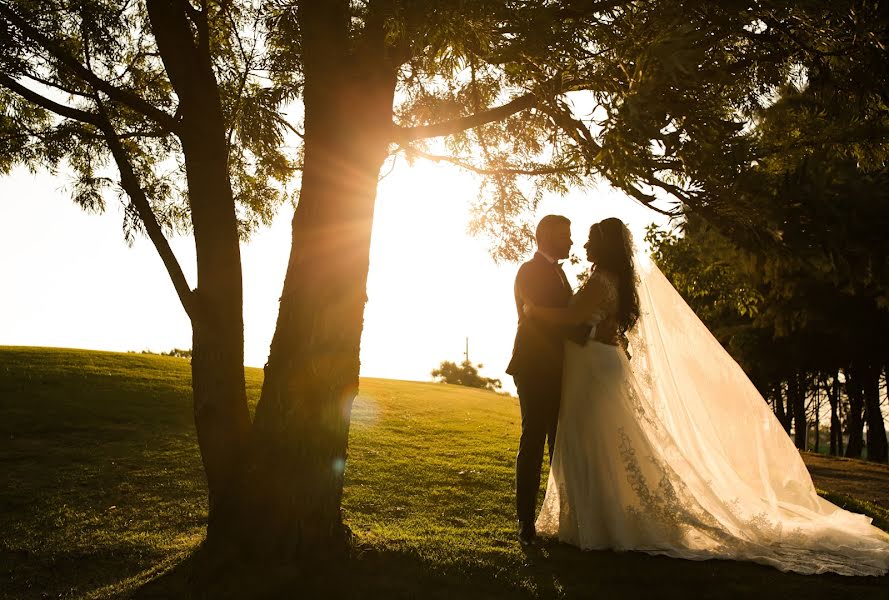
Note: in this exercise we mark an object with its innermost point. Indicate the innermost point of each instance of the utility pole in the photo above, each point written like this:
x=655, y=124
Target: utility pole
x=466, y=354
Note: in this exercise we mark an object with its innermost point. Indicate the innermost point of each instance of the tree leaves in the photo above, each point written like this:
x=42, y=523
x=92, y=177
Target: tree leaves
x=112, y=44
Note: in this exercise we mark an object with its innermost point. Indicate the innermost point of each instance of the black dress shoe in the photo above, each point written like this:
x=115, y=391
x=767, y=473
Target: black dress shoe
x=527, y=533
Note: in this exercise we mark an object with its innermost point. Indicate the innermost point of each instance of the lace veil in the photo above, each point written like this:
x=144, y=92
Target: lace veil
x=733, y=447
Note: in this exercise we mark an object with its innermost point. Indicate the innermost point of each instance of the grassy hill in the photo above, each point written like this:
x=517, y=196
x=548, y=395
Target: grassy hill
x=102, y=495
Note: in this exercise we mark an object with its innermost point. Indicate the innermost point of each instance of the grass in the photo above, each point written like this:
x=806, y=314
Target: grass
x=103, y=496
x=879, y=514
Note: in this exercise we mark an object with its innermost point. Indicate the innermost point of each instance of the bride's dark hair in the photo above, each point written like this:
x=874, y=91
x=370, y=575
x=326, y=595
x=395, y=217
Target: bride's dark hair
x=614, y=253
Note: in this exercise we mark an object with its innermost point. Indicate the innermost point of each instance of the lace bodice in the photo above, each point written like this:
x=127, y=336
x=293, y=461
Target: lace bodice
x=598, y=296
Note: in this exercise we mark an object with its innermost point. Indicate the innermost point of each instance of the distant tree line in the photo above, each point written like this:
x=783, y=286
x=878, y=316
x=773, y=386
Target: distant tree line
x=175, y=352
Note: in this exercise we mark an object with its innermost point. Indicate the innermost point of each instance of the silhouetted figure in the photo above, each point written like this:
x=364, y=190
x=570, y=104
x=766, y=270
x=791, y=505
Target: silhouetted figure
x=536, y=364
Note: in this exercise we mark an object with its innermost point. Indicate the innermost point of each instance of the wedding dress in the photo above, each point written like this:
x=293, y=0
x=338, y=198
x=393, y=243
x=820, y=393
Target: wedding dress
x=675, y=452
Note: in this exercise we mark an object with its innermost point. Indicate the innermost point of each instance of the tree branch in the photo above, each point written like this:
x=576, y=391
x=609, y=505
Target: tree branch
x=410, y=151
x=148, y=133
x=187, y=60
x=59, y=109
x=670, y=188
x=55, y=85
x=403, y=135
x=646, y=200
x=131, y=99
x=248, y=66
x=556, y=85
x=577, y=10
x=587, y=8
x=286, y=124
x=575, y=129
x=130, y=183
x=775, y=22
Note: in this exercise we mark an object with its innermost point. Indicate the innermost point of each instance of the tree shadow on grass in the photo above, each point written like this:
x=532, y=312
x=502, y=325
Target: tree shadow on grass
x=71, y=574
x=550, y=570
x=367, y=574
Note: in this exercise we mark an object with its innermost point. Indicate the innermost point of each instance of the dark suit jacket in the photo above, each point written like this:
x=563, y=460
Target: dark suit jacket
x=539, y=347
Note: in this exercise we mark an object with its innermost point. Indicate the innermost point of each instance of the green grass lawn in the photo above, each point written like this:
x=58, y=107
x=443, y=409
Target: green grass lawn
x=103, y=495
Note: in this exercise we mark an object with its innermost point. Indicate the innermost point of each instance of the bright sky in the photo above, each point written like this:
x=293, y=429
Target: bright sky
x=69, y=279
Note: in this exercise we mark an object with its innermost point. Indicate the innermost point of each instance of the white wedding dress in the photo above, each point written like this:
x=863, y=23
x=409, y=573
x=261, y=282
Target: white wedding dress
x=675, y=452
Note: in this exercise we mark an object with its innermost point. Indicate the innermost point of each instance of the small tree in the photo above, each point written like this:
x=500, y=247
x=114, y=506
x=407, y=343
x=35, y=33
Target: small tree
x=464, y=374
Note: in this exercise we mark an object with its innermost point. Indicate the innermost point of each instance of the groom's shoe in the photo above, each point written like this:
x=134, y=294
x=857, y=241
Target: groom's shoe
x=527, y=533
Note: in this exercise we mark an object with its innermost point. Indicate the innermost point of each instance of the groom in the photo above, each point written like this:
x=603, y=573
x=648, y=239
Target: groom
x=536, y=364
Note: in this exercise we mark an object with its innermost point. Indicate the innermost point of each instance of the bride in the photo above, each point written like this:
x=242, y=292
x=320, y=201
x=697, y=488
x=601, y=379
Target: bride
x=674, y=451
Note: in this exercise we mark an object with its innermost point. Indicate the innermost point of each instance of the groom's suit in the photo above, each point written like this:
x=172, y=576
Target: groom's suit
x=536, y=367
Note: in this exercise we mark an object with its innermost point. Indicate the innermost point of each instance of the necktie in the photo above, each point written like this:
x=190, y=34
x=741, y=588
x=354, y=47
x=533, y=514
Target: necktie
x=562, y=275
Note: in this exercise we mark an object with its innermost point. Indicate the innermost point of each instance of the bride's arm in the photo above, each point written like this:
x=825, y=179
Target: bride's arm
x=586, y=307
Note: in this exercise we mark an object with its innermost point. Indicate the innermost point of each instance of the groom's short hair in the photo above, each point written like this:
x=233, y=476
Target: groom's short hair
x=547, y=224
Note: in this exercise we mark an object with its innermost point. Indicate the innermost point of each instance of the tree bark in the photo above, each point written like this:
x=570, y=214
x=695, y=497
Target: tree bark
x=836, y=432
x=797, y=397
x=817, y=418
x=877, y=450
x=854, y=420
x=221, y=415
x=840, y=417
x=785, y=417
x=301, y=426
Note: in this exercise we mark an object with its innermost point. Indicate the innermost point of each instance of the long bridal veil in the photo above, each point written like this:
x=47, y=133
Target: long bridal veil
x=729, y=460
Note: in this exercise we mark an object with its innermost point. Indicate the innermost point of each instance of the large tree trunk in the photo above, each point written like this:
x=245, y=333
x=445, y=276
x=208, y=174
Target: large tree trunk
x=221, y=415
x=855, y=420
x=877, y=450
x=302, y=421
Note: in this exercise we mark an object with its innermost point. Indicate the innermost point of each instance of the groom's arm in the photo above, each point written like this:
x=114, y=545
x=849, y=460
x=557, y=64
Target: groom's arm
x=529, y=289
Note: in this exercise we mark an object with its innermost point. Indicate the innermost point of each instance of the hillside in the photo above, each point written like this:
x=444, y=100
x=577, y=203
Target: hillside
x=103, y=495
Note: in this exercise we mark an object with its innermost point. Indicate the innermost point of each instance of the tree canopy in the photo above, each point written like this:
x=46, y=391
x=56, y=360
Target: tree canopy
x=810, y=300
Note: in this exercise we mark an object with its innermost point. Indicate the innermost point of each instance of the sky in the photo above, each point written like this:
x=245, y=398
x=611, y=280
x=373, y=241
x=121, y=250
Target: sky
x=68, y=279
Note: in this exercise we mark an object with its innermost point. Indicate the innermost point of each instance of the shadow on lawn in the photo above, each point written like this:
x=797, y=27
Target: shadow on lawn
x=550, y=570
x=366, y=574
x=608, y=574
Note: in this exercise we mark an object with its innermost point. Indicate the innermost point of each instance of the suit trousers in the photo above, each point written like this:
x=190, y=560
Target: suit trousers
x=539, y=397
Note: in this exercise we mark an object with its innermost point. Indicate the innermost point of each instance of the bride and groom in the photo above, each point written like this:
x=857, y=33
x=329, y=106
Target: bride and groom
x=667, y=448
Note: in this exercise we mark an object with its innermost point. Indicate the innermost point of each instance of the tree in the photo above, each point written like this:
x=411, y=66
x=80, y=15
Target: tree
x=464, y=374
x=815, y=189
x=670, y=82
x=790, y=346
x=167, y=91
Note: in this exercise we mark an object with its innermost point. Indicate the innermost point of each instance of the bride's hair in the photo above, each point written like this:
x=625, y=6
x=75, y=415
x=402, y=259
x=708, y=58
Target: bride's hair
x=614, y=253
